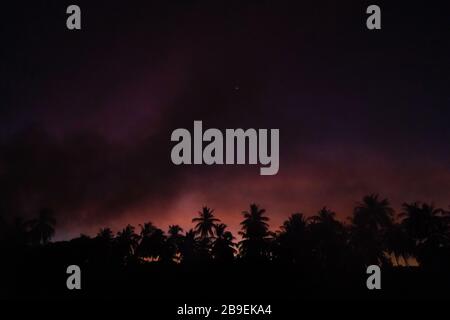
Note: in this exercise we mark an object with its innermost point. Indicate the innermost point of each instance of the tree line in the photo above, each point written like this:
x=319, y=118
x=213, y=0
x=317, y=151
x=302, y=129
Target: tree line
x=373, y=234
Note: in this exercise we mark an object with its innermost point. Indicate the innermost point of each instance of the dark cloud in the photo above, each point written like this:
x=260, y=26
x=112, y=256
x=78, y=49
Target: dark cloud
x=87, y=116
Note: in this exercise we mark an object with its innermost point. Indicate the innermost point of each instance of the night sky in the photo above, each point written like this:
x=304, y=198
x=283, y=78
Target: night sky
x=86, y=116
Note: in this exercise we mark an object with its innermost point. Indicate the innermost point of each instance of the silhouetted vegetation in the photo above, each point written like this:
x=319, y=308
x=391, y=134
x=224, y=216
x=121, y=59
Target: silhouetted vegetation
x=305, y=256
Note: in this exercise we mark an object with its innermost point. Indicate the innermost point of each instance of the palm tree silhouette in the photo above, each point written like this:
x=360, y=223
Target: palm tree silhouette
x=223, y=248
x=428, y=228
x=373, y=213
x=105, y=234
x=127, y=241
x=173, y=242
x=291, y=241
x=205, y=223
x=152, y=243
x=398, y=243
x=424, y=222
x=255, y=234
x=295, y=224
x=318, y=251
x=103, y=246
x=325, y=217
x=189, y=247
x=42, y=229
x=175, y=231
x=328, y=239
x=370, y=221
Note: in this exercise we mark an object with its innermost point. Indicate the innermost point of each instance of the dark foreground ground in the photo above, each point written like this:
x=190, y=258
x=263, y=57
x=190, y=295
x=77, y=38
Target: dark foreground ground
x=40, y=279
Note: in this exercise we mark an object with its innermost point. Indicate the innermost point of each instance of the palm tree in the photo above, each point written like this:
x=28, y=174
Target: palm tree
x=127, y=241
x=174, y=241
x=295, y=224
x=220, y=229
x=152, y=243
x=175, y=231
x=429, y=229
x=223, y=248
x=105, y=234
x=291, y=242
x=398, y=243
x=328, y=239
x=42, y=229
x=147, y=229
x=325, y=217
x=424, y=222
x=205, y=223
x=103, y=246
x=189, y=247
x=373, y=213
x=255, y=234
x=370, y=221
